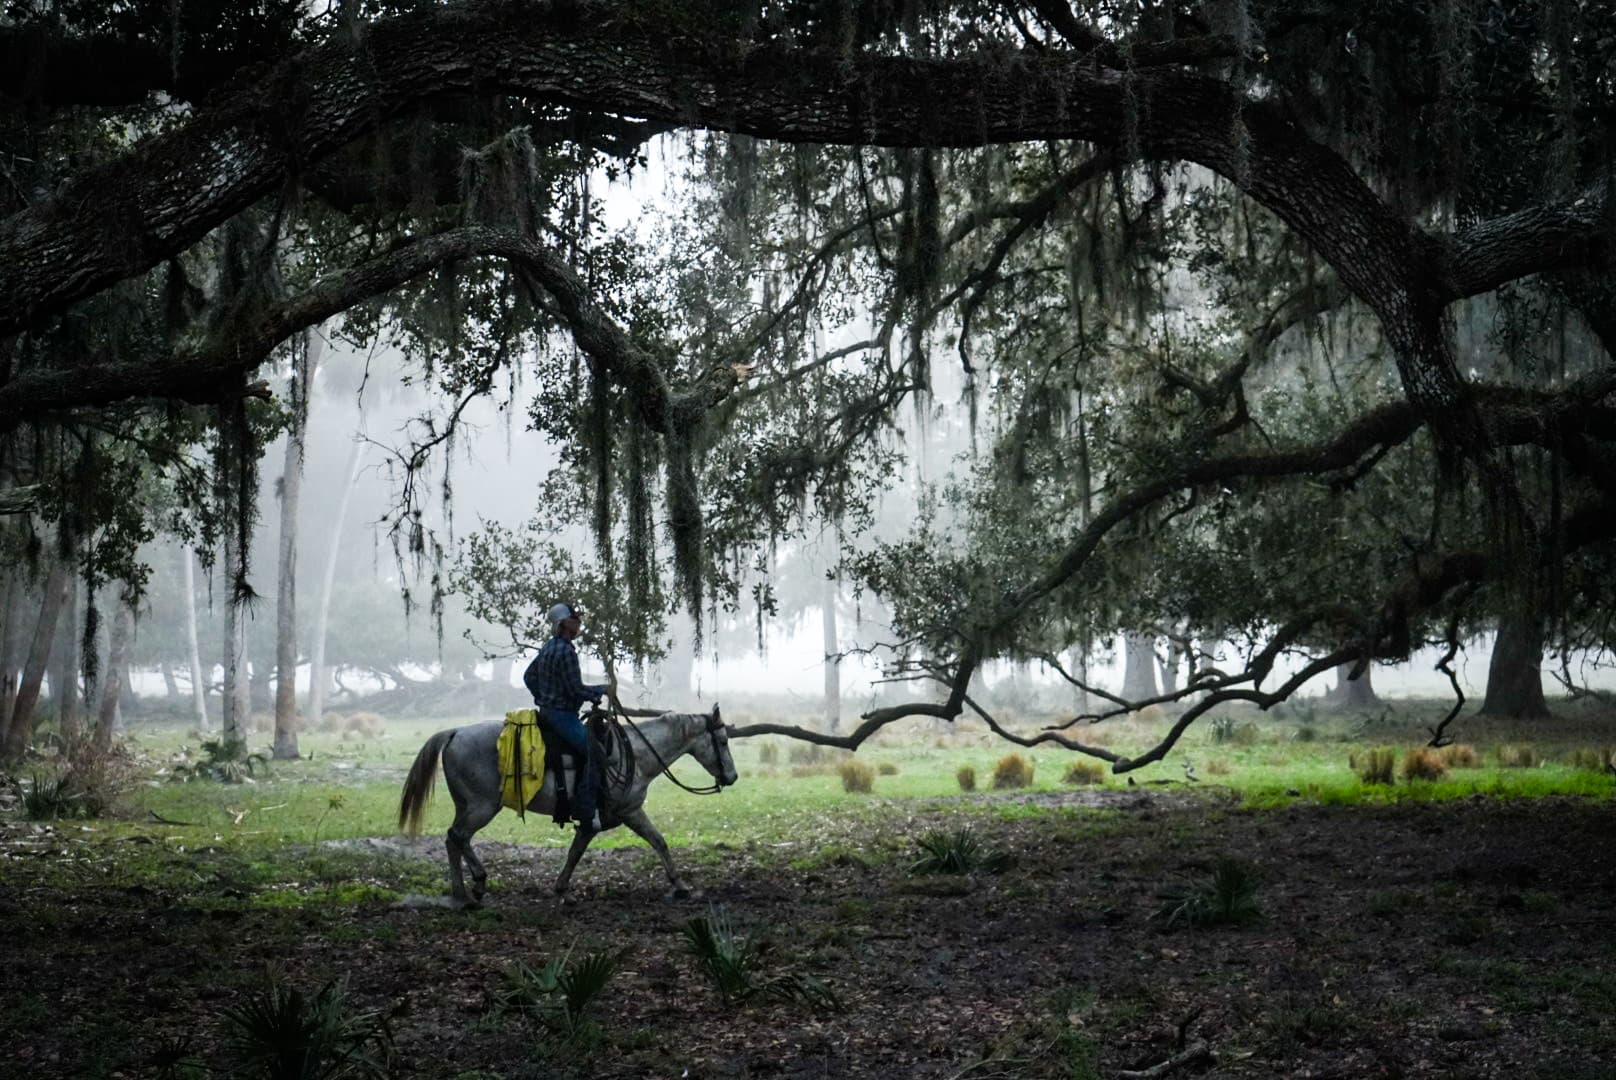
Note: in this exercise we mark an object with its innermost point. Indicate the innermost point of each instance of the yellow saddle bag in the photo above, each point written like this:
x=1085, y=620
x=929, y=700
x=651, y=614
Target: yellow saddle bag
x=521, y=759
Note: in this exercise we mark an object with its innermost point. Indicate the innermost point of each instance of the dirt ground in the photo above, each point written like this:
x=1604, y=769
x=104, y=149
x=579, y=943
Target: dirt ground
x=1466, y=939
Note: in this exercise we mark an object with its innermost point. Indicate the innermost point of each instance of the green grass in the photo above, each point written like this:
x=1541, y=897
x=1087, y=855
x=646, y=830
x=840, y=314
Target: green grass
x=266, y=839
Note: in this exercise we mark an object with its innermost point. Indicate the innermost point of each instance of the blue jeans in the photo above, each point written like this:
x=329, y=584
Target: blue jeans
x=567, y=728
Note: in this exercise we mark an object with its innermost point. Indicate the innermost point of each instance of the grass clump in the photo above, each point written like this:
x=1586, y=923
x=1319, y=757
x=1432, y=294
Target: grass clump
x=955, y=851
x=279, y=1031
x=223, y=759
x=1593, y=759
x=559, y=994
x=768, y=754
x=68, y=795
x=1012, y=771
x=1084, y=772
x=1228, y=897
x=1226, y=730
x=887, y=768
x=965, y=776
x=1376, y=766
x=806, y=754
x=1461, y=756
x=735, y=966
x=856, y=776
x=1218, y=767
x=1424, y=763
x=1519, y=756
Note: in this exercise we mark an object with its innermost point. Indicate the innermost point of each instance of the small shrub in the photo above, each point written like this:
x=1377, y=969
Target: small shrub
x=1519, y=756
x=368, y=725
x=856, y=776
x=1307, y=733
x=1012, y=771
x=559, y=994
x=1221, y=728
x=1592, y=759
x=806, y=754
x=887, y=768
x=768, y=754
x=225, y=760
x=333, y=722
x=1227, y=731
x=1084, y=772
x=281, y=1032
x=956, y=851
x=1376, y=766
x=1228, y=897
x=966, y=776
x=734, y=966
x=1218, y=767
x=1424, y=763
x=1460, y=756
x=798, y=772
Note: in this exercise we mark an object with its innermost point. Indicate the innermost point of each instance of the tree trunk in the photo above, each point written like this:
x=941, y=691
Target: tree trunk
x=1515, y=675
x=319, y=678
x=833, y=659
x=53, y=599
x=1077, y=663
x=1139, y=667
x=237, y=707
x=1356, y=693
x=199, y=689
x=1171, y=662
x=112, y=678
x=66, y=662
x=285, y=748
x=13, y=592
x=171, y=685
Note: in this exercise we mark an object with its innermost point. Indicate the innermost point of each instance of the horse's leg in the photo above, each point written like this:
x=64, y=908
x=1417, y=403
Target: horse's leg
x=470, y=817
x=580, y=841
x=636, y=820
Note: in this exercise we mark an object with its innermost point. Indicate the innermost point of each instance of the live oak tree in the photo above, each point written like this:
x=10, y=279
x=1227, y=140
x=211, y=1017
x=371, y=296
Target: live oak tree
x=1420, y=155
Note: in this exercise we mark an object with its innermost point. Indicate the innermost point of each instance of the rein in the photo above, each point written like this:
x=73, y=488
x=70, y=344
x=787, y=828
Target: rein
x=713, y=789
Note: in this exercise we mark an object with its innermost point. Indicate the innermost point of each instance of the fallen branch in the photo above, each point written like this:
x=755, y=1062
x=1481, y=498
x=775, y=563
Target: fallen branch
x=1193, y=1054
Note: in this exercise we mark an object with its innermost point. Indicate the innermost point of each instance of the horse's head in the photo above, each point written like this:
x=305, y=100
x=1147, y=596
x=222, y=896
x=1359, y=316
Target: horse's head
x=711, y=748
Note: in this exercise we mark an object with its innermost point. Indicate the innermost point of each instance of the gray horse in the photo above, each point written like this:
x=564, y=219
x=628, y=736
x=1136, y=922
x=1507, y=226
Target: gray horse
x=471, y=771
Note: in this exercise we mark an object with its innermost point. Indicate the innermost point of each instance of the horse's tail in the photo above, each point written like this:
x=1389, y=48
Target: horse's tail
x=418, y=785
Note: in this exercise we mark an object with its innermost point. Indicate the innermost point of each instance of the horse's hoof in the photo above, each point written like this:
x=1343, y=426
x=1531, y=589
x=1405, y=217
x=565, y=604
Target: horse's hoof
x=682, y=893
x=478, y=891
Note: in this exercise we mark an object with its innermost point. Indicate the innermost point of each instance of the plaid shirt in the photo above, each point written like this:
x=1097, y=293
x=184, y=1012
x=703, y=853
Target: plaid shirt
x=554, y=680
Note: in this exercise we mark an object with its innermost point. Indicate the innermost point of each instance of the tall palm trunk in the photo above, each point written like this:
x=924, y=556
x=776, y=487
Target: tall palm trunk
x=833, y=659
x=319, y=678
x=285, y=748
x=112, y=678
x=67, y=660
x=237, y=708
x=52, y=599
x=13, y=592
x=199, y=690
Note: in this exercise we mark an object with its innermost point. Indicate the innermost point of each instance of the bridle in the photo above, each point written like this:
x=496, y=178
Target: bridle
x=714, y=725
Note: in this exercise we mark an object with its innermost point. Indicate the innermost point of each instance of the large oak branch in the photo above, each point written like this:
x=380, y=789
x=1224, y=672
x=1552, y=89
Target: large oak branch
x=125, y=217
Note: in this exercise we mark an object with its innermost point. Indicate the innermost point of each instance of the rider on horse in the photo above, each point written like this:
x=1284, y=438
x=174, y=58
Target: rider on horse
x=559, y=691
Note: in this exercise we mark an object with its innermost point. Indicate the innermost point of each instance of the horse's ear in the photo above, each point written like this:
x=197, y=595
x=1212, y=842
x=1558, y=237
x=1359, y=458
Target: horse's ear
x=716, y=720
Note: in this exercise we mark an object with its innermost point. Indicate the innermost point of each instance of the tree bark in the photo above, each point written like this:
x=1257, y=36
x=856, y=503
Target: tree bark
x=53, y=598
x=13, y=592
x=833, y=659
x=1356, y=693
x=1170, y=663
x=112, y=679
x=285, y=746
x=319, y=678
x=1515, y=675
x=199, y=688
x=66, y=663
x=1139, y=667
x=171, y=685
x=237, y=703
